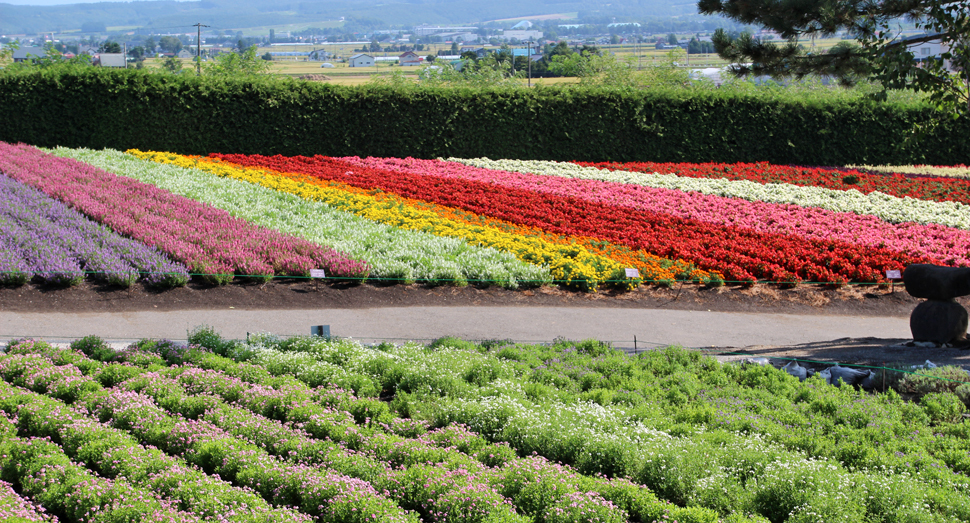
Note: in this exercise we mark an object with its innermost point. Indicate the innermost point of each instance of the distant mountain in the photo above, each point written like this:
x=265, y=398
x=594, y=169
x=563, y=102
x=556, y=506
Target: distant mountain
x=169, y=16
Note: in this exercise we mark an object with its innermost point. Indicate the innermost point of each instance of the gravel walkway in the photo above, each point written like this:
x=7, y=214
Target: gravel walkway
x=651, y=327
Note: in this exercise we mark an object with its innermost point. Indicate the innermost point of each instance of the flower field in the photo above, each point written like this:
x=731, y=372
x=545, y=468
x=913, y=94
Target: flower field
x=479, y=221
x=41, y=237
x=310, y=429
x=209, y=241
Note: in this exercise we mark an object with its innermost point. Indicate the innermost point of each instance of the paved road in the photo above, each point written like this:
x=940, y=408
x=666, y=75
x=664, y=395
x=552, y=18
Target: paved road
x=651, y=327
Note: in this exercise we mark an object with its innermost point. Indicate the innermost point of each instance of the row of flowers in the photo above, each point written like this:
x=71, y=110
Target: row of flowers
x=950, y=189
x=652, y=434
x=15, y=509
x=113, y=454
x=568, y=261
x=43, y=473
x=731, y=472
x=458, y=494
x=569, y=180
x=315, y=491
x=209, y=241
x=41, y=237
x=431, y=474
x=467, y=471
x=843, y=204
x=584, y=224
x=464, y=454
x=278, y=387
x=955, y=171
x=393, y=253
x=739, y=253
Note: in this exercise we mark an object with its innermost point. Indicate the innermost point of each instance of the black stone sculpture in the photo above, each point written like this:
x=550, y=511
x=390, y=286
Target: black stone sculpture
x=939, y=319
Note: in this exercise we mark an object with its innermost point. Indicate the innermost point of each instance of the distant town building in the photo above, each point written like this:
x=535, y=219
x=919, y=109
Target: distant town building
x=28, y=53
x=361, y=60
x=521, y=35
x=427, y=30
x=111, y=60
x=410, y=58
x=929, y=50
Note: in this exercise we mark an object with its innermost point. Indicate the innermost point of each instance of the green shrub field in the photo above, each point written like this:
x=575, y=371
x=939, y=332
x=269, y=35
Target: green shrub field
x=456, y=431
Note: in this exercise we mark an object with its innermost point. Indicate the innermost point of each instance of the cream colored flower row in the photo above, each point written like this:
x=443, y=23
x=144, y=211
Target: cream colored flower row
x=929, y=170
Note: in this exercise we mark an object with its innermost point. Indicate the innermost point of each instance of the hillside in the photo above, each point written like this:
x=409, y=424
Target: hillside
x=165, y=16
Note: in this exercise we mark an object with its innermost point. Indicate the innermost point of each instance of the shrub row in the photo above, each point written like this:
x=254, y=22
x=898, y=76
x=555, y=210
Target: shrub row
x=135, y=109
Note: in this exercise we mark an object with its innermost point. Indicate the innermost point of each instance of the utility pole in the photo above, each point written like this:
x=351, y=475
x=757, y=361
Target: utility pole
x=512, y=64
x=198, y=48
x=529, y=58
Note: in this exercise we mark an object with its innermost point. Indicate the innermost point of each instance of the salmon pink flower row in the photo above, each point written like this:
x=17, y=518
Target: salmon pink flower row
x=210, y=241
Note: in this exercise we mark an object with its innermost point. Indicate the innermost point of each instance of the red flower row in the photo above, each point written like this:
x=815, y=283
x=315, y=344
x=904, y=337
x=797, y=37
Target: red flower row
x=938, y=189
x=740, y=254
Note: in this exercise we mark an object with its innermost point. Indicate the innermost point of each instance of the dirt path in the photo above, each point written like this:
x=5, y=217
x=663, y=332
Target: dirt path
x=863, y=325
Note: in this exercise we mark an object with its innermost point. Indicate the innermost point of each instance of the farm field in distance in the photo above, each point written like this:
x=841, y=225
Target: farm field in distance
x=643, y=55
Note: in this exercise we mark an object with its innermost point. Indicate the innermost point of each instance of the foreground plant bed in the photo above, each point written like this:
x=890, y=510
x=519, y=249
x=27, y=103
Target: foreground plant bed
x=697, y=433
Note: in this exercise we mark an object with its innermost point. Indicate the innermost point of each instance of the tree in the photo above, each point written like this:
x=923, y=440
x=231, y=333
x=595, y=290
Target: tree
x=150, y=46
x=882, y=54
x=110, y=47
x=6, y=51
x=172, y=65
x=672, y=39
x=246, y=63
x=696, y=46
x=170, y=44
x=454, y=48
x=560, y=49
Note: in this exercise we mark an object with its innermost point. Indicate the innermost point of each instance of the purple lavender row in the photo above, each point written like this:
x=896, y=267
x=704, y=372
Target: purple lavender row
x=40, y=254
x=42, y=237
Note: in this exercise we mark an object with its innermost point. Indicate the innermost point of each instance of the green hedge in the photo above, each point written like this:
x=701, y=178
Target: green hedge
x=122, y=109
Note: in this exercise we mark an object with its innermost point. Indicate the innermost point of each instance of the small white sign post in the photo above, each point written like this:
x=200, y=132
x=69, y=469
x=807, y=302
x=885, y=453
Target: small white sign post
x=893, y=275
x=632, y=273
x=317, y=275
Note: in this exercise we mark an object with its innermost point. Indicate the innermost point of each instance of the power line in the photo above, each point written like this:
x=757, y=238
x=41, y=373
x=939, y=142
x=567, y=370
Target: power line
x=198, y=48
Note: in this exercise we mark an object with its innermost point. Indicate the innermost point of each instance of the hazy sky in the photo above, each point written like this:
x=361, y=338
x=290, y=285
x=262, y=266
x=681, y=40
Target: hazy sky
x=57, y=2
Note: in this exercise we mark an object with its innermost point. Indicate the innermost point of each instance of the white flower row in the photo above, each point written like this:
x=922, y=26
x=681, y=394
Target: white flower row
x=392, y=252
x=886, y=207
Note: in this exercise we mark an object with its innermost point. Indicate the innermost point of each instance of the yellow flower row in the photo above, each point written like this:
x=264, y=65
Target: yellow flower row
x=573, y=264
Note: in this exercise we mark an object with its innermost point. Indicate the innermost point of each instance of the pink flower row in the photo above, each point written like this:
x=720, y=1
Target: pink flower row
x=208, y=240
x=948, y=245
